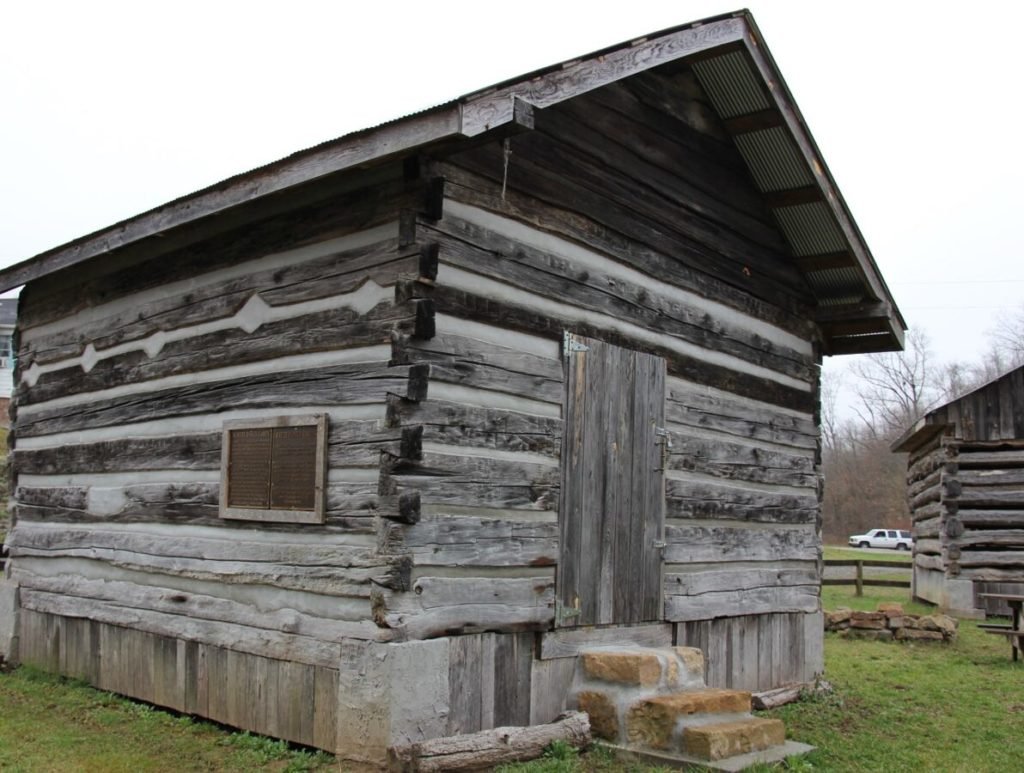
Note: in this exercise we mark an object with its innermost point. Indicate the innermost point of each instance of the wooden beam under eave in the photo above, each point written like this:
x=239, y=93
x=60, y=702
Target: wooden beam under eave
x=853, y=311
x=752, y=122
x=825, y=261
x=864, y=344
x=855, y=327
x=794, y=197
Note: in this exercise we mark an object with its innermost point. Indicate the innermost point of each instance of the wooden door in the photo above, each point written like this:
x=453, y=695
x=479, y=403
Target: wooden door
x=611, y=513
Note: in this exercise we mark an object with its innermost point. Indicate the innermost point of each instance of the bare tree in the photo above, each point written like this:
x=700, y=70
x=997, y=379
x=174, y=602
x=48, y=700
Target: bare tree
x=1008, y=338
x=831, y=386
x=896, y=387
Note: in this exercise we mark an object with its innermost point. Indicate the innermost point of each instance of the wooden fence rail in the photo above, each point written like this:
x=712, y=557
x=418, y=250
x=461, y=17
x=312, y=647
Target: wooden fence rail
x=860, y=580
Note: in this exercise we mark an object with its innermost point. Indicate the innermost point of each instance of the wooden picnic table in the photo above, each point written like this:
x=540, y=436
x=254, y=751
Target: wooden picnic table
x=1015, y=630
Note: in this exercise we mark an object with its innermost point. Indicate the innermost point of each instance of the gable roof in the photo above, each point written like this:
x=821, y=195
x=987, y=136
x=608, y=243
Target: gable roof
x=992, y=412
x=856, y=311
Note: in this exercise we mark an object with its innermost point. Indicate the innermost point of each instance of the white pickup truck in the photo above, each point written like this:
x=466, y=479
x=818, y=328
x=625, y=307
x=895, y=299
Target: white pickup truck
x=883, y=538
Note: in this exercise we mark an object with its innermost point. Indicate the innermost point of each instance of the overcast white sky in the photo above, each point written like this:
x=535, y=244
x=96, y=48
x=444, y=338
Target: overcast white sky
x=109, y=109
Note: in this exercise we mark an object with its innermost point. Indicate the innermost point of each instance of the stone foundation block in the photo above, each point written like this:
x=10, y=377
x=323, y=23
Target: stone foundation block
x=652, y=721
x=870, y=620
x=693, y=662
x=604, y=717
x=631, y=667
x=727, y=739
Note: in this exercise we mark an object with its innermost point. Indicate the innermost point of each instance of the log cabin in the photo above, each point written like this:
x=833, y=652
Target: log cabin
x=361, y=447
x=965, y=488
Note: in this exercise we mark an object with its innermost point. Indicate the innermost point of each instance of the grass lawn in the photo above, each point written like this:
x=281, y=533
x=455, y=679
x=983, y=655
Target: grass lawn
x=896, y=707
x=52, y=724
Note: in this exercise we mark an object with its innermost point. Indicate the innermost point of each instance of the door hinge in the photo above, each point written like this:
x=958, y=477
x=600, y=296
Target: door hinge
x=570, y=345
x=563, y=613
x=664, y=438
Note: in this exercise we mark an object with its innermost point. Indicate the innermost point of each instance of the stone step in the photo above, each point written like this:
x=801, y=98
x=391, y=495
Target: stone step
x=666, y=667
x=721, y=740
x=652, y=721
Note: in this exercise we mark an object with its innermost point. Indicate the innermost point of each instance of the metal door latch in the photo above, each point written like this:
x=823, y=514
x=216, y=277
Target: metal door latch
x=659, y=544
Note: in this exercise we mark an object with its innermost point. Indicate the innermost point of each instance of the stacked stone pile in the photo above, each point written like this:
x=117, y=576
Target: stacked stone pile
x=656, y=699
x=891, y=622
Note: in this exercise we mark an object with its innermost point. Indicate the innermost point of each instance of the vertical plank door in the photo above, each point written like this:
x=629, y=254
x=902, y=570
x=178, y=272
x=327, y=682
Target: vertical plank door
x=611, y=516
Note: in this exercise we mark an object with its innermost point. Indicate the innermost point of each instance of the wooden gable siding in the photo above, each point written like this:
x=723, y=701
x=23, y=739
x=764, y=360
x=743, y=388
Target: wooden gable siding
x=992, y=412
x=123, y=388
x=521, y=265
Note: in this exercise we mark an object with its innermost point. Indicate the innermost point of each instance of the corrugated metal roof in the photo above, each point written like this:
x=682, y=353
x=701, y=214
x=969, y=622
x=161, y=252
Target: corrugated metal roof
x=836, y=286
x=810, y=229
x=774, y=161
x=732, y=85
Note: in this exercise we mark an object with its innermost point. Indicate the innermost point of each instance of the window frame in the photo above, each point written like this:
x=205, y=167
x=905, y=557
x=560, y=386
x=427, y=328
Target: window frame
x=316, y=515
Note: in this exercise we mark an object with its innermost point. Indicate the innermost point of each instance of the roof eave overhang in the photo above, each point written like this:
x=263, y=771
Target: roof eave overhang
x=923, y=432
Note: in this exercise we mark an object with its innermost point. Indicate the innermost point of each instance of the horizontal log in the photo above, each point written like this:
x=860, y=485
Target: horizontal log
x=971, y=477
x=715, y=581
x=330, y=330
x=696, y=499
x=739, y=462
x=928, y=528
x=466, y=619
x=1003, y=558
x=923, y=561
x=471, y=541
x=240, y=638
x=929, y=546
x=938, y=458
x=488, y=749
x=972, y=460
x=929, y=481
x=359, y=382
x=373, y=201
x=462, y=303
x=992, y=518
x=699, y=543
x=659, y=260
x=460, y=425
x=547, y=273
x=551, y=169
x=993, y=537
x=987, y=497
x=175, y=601
x=691, y=405
x=993, y=574
x=750, y=601
x=210, y=544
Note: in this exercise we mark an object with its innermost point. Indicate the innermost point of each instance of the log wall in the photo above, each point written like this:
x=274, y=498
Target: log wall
x=124, y=382
x=617, y=220
x=967, y=503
